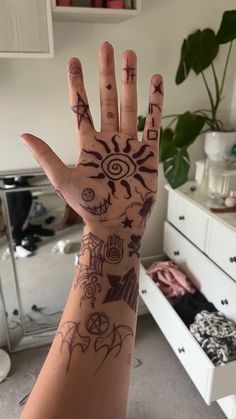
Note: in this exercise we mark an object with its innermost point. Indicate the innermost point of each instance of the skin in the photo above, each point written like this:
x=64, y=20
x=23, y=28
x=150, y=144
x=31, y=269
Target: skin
x=87, y=371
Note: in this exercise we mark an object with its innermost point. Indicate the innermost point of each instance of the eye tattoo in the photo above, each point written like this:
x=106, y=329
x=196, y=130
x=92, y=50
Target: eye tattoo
x=117, y=166
x=88, y=194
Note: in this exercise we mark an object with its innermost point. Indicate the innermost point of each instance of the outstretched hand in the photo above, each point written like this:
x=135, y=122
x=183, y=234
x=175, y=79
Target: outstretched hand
x=115, y=180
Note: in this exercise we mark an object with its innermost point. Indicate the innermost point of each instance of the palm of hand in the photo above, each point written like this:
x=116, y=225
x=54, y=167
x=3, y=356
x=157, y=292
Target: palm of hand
x=115, y=179
x=115, y=175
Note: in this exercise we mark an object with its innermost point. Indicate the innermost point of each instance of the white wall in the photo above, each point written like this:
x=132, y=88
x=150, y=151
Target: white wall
x=33, y=93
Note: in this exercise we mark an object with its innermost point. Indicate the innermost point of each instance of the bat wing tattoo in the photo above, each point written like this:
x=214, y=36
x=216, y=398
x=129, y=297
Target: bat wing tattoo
x=113, y=341
x=71, y=337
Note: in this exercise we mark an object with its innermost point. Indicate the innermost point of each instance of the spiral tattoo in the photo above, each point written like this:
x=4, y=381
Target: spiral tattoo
x=113, y=250
x=118, y=166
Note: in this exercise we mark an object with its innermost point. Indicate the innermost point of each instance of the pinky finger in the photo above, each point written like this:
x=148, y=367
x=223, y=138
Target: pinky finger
x=154, y=114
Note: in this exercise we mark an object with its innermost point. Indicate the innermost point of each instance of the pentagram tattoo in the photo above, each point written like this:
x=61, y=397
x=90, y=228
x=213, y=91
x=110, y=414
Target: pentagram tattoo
x=157, y=88
x=82, y=111
x=97, y=323
x=120, y=166
x=123, y=288
x=88, y=194
x=135, y=244
x=113, y=249
x=85, y=278
x=130, y=72
x=71, y=337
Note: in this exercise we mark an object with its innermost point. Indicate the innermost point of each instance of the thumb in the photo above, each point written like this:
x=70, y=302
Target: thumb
x=53, y=167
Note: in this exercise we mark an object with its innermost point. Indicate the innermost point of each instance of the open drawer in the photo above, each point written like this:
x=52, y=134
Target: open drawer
x=212, y=382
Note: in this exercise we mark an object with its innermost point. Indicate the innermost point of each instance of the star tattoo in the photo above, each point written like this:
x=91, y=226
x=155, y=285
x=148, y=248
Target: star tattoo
x=127, y=222
x=82, y=111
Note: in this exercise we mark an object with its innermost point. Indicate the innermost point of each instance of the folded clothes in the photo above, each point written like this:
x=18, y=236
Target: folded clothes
x=216, y=335
x=170, y=279
x=189, y=305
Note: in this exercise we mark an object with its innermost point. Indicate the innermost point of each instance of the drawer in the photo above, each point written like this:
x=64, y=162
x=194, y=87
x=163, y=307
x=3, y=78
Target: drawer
x=215, y=284
x=221, y=247
x=187, y=218
x=212, y=382
x=228, y=405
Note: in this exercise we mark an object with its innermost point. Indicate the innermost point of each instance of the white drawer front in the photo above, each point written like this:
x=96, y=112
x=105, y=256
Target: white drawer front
x=222, y=247
x=212, y=382
x=217, y=287
x=187, y=218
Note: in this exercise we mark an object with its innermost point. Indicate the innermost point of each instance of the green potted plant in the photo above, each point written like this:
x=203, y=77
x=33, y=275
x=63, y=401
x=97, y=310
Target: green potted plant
x=198, y=53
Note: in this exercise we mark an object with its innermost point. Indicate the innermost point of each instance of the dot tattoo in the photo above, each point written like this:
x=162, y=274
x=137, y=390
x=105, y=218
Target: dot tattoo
x=109, y=86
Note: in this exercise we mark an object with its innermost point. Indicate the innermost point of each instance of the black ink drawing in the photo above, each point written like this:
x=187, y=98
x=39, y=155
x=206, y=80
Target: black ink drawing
x=86, y=279
x=130, y=72
x=157, y=88
x=75, y=70
x=100, y=208
x=118, y=165
x=152, y=134
x=72, y=337
x=135, y=244
x=152, y=106
x=82, y=111
x=93, y=245
x=127, y=223
x=109, y=86
x=153, y=122
x=97, y=323
x=145, y=206
x=113, y=249
x=110, y=115
x=123, y=288
x=88, y=195
x=113, y=341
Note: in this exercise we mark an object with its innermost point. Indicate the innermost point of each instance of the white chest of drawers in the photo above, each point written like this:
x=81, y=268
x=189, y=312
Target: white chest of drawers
x=204, y=246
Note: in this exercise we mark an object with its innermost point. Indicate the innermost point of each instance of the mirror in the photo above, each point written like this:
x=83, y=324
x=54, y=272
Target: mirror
x=39, y=239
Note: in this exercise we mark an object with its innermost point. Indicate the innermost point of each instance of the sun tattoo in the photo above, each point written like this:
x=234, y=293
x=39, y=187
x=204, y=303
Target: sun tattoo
x=118, y=165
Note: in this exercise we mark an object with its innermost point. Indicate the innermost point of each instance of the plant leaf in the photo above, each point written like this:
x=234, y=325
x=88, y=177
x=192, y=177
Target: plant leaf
x=227, y=30
x=187, y=129
x=141, y=123
x=202, y=49
x=167, y=147
x=184, y=64
x=176, y=168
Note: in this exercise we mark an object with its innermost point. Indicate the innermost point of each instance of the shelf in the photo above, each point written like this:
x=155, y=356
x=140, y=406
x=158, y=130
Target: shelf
x=93, y=15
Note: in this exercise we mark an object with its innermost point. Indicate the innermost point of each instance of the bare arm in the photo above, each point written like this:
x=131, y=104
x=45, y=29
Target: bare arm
x=113, y=187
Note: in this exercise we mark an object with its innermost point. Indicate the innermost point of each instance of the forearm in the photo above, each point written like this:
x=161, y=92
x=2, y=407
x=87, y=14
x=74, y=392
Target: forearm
x=95, y=335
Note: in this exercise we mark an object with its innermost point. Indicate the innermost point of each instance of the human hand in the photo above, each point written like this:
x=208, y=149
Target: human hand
x=115, y=180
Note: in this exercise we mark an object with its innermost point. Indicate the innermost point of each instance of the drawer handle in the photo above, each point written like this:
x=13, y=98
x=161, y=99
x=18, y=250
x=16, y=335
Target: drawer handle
x=181, y=350
x=225, y=301
x=144, y=291
x=181, y=217
x=176, y=253
x=232, y=259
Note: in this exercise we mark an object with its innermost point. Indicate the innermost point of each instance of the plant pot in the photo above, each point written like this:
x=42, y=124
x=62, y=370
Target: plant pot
x=115, y=4
x=218, y=145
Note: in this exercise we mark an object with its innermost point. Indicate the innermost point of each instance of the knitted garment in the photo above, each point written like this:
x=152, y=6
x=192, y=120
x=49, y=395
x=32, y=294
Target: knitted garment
x=216, y=335
x=188, y=305
x=170, y=279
